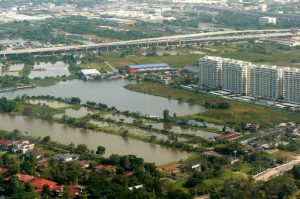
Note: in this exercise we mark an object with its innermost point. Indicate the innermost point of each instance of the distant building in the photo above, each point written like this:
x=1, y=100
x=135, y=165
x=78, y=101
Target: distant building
x=89, y=73
x=209, y=69
x=149, y=67
x=255, y=81
x=22, y=146
x=235, y=76
x=229, y=136
x=291, y=85
x=267, y=20
x=266, y=82
x=66, y=157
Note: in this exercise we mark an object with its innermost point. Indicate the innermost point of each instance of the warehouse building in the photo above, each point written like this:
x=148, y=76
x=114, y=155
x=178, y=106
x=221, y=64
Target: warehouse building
x=149, y=67
x=89, y=73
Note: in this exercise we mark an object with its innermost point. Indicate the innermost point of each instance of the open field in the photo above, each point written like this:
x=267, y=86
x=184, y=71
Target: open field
x=238, y=112
x=102, y=67
x=178, y=61
x=258, y=53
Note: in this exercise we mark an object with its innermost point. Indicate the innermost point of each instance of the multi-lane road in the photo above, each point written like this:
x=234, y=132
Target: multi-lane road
x=159, y=41
x=273, y=172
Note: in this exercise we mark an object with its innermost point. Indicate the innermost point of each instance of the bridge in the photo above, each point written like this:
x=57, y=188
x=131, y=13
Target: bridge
x=159, y=41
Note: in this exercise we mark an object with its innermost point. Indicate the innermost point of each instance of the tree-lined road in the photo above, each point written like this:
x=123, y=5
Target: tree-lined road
x=273, y=172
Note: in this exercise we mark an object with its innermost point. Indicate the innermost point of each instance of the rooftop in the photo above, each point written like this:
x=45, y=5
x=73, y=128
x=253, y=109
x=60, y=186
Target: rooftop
x=24, y=177
x=90, y=72
x=41, y=182
x=148, y=65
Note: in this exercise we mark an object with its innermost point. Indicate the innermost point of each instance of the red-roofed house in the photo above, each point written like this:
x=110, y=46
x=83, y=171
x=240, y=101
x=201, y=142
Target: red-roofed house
x=105, y=167
x=25, y=177
x=5, y=144
x=3, y=170
x=39, y=183
x=129, y=174
x=229, y=136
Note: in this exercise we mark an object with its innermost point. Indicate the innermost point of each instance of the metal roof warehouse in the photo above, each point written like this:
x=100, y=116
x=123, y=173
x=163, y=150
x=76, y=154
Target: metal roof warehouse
x=148, y=66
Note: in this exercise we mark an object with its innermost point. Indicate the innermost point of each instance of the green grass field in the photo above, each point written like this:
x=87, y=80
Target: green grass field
x=258, y=53
x=237, y=113
x=178, y=61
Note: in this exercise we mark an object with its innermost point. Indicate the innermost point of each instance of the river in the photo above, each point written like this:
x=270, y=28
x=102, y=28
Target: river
x=112, y=93
x=114, y=144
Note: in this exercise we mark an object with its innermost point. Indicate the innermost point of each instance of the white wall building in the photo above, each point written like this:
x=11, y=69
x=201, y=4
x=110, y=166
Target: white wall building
x=266, y=82
x=209, y=70
x=267, y=20
x=235, y=76
x=291, y=85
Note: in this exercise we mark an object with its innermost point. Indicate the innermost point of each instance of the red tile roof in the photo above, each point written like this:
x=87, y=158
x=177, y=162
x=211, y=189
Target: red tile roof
x=129, y=174
x=38, y=184
x=24, y=177
x=229, y=136
x=3, y=170
x=107, y=167
x=6, y=142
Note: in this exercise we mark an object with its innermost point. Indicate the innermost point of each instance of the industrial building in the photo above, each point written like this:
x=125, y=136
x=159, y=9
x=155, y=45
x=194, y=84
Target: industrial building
x=149, y=67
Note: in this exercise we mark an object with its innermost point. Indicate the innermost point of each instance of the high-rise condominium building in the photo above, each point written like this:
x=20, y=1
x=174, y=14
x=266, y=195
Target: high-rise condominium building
x=235, y=76
x=209, y=70
x=266, y=81
x=291, y=85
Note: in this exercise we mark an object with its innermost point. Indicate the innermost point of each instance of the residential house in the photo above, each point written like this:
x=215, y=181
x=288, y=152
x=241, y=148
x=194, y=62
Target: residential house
x=22, y=146
x=24, y=177
x=55, y=189
x=67, y=157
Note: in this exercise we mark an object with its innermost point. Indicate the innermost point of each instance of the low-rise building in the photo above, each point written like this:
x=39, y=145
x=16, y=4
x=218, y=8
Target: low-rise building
x=267, y=20
x=89, y=73
x=66, y=157
x=133, y=69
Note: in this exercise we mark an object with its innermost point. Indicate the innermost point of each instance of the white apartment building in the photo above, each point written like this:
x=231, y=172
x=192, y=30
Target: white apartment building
x=266, y=82
x=235, y=76
x=209, y=70
x=291, y=85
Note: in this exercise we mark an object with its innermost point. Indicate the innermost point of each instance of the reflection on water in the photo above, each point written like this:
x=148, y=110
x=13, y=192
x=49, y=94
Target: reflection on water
x=75, y=113
x=114, y=144
x=112, y=93
x=180, y=130
x=43, y=69
x=50, y=103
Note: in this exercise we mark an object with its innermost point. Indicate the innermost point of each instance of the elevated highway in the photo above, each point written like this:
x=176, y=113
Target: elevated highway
x=159, y=41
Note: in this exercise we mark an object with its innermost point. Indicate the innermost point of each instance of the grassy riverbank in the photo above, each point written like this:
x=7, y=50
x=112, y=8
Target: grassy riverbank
x=238, y=112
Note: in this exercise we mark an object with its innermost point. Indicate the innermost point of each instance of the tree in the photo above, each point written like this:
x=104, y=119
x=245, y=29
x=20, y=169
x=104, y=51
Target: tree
x=81, y=149
x=178, y=194
x=166, y=115
x=296, y=172
x=75, y=100
x=46, y=139
x=100, y=150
